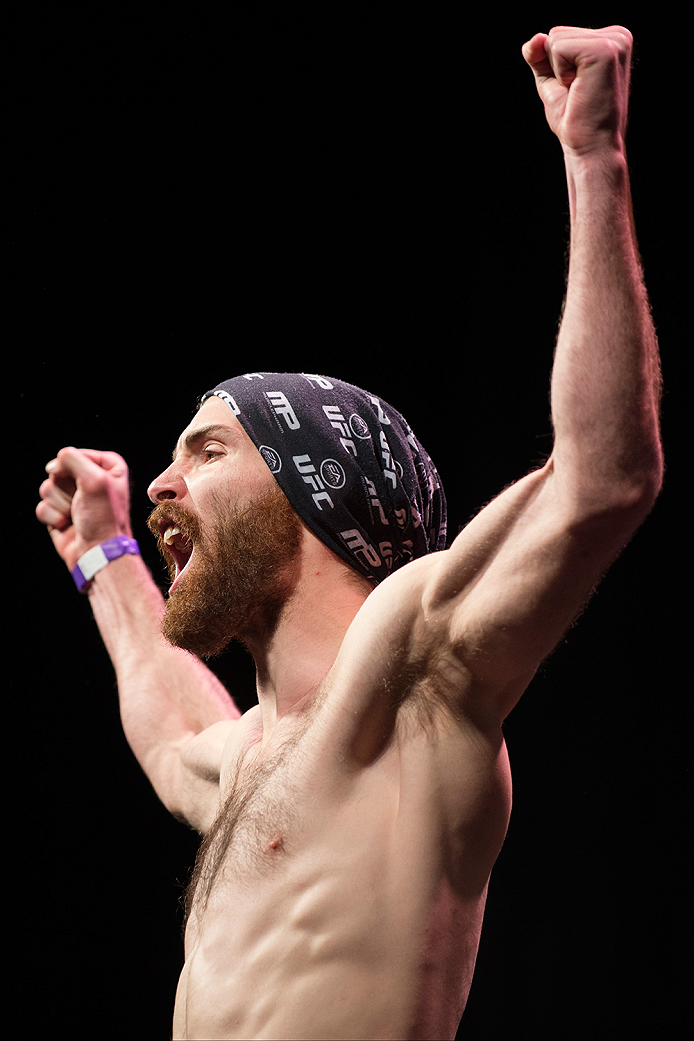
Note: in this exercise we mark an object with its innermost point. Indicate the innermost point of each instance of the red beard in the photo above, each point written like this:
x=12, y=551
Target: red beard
x=239, y=577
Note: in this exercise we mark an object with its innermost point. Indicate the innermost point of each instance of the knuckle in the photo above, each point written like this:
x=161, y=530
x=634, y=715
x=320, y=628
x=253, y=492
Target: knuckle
x=619, y=51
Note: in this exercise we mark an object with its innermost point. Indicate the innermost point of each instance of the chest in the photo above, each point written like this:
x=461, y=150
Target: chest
x=267, y=795
x=299, y=810
x=264, y=790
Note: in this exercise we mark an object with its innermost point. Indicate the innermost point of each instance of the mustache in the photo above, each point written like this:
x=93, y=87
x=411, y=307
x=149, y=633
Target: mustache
x=167, y=513
x=175, y=514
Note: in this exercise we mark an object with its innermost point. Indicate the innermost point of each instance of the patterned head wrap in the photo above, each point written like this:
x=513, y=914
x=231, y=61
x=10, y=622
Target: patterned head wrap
x=348, y=463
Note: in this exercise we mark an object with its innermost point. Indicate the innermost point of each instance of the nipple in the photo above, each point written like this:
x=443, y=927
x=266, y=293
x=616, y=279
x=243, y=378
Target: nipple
x=275, y=842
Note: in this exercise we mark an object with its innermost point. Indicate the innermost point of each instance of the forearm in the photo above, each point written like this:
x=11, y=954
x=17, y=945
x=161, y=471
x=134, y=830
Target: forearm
x=166, y=694
x=606, y=377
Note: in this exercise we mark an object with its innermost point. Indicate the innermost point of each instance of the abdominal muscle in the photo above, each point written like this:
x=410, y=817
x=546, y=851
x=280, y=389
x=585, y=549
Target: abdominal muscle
x=335, y=910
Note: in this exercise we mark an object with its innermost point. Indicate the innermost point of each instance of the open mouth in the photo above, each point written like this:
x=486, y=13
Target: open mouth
x=177, y=548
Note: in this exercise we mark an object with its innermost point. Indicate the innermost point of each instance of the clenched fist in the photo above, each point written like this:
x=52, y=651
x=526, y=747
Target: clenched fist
x=582, y=76
x=84, y=500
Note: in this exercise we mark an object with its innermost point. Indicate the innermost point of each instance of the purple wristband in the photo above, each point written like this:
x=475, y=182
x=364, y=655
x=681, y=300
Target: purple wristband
x=99, y=556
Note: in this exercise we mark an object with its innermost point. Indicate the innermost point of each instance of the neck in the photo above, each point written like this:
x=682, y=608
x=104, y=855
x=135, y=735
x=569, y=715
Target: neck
x=294, y=658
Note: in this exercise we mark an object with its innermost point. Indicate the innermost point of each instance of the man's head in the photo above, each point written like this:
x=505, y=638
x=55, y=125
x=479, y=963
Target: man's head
x=264, y=448
x=227, y=532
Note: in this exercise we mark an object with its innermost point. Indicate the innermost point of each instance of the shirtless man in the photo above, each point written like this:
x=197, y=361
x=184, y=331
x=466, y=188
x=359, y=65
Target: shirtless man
x=352, y=818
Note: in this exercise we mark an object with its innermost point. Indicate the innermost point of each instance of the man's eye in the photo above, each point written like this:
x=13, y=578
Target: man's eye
x=210, y=453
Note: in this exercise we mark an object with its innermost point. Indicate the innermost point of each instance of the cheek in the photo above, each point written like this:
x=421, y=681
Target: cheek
x=232, y=486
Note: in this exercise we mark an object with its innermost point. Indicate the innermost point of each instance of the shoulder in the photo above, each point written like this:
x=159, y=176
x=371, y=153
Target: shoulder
x=389, y=622
x=407, y=644
x=392, y=652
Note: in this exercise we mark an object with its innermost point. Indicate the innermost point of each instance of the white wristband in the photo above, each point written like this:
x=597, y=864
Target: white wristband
x=98, y=557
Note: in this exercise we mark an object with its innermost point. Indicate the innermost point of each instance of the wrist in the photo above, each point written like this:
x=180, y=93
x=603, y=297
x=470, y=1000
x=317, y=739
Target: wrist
x=598, y=185
x=605, y=162
x=100, y=556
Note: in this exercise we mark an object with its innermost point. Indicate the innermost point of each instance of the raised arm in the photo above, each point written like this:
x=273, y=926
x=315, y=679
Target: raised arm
x=519, y=573
x=606, y=376
x=167, y=696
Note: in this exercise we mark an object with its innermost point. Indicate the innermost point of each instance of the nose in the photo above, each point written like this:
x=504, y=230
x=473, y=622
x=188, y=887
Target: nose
x=168, y=485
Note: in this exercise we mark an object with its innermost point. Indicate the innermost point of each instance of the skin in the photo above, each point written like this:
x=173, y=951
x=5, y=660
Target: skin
x=352, y=818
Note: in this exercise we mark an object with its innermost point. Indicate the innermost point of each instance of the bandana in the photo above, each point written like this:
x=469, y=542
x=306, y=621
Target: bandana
x=349, y=464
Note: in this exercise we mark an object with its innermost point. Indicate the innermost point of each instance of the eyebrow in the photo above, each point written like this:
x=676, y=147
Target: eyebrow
x=193, y=439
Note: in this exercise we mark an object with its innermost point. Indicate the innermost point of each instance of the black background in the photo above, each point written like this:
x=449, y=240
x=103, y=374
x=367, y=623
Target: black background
x=373, y=195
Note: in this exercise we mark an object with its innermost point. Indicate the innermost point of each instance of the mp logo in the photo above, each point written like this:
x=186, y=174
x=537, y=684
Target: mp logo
x=281, y=407
x=357, y=544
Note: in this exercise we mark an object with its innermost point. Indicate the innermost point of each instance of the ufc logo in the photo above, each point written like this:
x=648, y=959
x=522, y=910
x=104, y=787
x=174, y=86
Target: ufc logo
x=389, y=467
x=309, y=475
x=281, y=406
x=337, y=421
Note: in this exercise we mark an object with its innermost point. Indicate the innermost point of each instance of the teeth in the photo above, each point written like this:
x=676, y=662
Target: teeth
x=170, y=534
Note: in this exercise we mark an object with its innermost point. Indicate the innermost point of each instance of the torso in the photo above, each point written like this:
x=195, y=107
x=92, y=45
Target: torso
x=342, y=887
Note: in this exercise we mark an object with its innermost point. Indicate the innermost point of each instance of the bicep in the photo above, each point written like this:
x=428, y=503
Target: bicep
x=514, y=581
x=186, y=777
